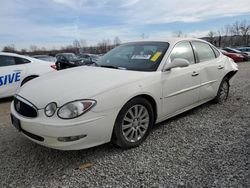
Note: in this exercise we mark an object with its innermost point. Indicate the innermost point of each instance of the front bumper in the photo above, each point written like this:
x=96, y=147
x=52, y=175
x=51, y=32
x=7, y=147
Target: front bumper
x=97, y=127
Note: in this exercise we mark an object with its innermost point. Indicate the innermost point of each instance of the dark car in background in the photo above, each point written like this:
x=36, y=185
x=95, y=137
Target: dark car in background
x=244, y=50
x=232, y=50
x=67, y=60
x=236, y=57
x=89, y=58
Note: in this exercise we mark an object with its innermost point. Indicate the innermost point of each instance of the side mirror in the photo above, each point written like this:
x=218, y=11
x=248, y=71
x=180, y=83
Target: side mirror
x=178, y=62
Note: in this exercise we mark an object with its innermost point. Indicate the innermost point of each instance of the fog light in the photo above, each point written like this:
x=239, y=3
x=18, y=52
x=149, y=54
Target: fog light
x=70, y=138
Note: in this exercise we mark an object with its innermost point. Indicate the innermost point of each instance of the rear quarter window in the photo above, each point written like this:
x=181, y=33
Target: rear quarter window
x=20, y=61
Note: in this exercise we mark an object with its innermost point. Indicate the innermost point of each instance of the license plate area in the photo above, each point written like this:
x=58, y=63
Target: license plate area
x=15, y=122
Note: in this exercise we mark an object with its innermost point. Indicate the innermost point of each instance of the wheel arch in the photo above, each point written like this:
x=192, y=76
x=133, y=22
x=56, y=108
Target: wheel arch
x=151, y=100
x=147, y=97
x=28, y=77
x=230, y=74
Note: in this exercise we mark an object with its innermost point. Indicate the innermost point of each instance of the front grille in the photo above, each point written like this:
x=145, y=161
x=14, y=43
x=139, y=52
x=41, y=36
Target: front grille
x=24, y=107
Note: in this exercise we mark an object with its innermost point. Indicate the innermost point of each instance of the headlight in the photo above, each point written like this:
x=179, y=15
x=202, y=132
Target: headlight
x=75, y=109
x=50, y=109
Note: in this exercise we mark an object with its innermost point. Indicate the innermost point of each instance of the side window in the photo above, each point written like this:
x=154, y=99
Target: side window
x=61, y=58
x=204, y=51
x=20, y=61
x=183, y=50
x=6, y=61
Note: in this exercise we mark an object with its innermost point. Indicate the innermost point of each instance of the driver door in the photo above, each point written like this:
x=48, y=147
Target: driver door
x=181, y=85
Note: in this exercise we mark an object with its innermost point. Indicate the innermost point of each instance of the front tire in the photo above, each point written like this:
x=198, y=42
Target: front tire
x=223, y=91
x=133, y=123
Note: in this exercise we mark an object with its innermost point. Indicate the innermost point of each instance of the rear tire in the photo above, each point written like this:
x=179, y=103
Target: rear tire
x=133, y=123
x=58, y=66
x=223, y=91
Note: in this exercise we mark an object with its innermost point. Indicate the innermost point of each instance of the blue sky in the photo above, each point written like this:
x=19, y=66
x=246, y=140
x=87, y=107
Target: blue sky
x=56, y=23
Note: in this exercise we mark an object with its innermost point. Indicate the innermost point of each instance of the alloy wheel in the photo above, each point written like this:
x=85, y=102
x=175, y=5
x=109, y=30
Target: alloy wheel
x=135, y=123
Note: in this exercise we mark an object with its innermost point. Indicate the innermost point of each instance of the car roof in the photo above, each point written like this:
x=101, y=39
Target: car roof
x=41, y=56
x=32, y=59
x=64, y=53
x=243, y=48
x=13, y=54
x=170, y=40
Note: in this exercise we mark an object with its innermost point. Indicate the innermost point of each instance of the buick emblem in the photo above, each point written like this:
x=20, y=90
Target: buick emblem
x=18, y=106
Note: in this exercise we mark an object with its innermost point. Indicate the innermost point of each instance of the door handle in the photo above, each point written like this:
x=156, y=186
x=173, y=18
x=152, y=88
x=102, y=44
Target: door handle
x=195, y=73
x=220, y=67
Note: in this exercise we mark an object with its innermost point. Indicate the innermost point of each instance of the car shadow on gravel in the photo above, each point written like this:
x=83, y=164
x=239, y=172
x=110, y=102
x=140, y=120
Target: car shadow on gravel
x=190, y=112
x=6, y=100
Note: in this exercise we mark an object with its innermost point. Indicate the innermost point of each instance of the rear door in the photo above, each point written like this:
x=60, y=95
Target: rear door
x=212, y=67
x=12, y=72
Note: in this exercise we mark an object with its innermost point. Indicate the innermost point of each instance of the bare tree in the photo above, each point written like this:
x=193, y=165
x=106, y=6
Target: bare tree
x=144, y=36
x=220, y=38
x=43, y=49
x=227, y=29
x=104, y=46
x=33, y=48
x=76, y=46
x=178, y=34
x=23, y=51
x=245, y=31
x=236, y=28
x=83, y=43
x=211, y=35
x=9, y=48
x=117, y=41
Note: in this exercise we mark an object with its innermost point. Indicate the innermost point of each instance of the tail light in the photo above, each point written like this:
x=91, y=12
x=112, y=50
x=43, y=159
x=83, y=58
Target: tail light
x=53, y=66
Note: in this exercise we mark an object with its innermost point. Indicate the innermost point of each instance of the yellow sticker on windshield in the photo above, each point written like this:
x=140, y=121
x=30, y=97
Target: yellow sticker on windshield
x=155, y=56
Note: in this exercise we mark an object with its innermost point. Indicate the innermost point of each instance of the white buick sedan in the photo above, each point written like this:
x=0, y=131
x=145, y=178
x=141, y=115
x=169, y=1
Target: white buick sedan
x=130, y=89
x=16, y=70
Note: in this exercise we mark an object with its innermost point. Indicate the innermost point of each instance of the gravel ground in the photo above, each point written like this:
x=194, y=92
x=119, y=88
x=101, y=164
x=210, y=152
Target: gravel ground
x=208, y=146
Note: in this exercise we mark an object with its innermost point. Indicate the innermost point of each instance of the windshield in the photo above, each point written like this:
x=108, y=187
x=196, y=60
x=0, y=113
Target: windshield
x=70, y=57
x=139, y=56
x=94, y=57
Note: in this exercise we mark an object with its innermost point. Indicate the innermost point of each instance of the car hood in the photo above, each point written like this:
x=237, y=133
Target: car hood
x=76, y=83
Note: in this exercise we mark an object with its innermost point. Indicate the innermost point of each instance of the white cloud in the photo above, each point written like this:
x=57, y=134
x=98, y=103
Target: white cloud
x=24, y=25
x=162, y=11
x=197, y=33
x=54, y=37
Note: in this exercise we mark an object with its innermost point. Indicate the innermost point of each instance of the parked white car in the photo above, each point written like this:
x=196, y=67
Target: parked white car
x=131, y=88
x=16, y=70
